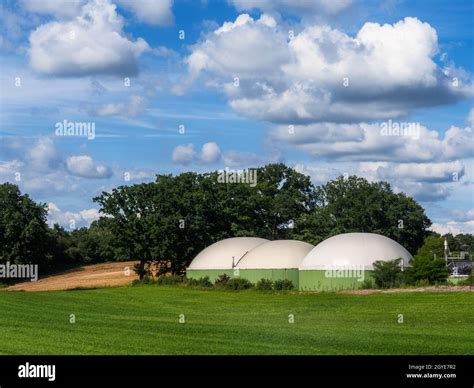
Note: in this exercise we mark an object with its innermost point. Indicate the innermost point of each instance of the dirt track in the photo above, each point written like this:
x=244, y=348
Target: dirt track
x=89, y=276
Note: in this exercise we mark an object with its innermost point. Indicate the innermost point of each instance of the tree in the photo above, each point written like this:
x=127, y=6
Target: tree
x=24, y=237
x=273, y=207
x=134, y=220
x=353, y=204
x=428, y=263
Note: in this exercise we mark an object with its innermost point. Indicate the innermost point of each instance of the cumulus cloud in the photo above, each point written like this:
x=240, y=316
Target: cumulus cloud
x=453, y=227
x=85, y=166
x=153, y=12
x=185, y=154
x=66, y=218
x=239, y=159
x=210, y=153
x=43, y=155
x=56, y=8
x=371, y=142
x=92, y=43
x=298, y=7
x=132, y=108
x=323, y=74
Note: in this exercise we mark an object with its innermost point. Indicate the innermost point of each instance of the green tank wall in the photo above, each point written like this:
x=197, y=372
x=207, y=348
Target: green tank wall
x=211, y=273
x=303, y=280
x=318, y=281
x=253, y=275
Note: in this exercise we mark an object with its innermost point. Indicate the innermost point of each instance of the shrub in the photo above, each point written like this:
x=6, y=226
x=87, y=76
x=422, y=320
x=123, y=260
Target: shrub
x=170, y=280
x=204, y=282
x=432, y=270
x=469, y=281
x=367, y=284
x=422, y=283
x=264, y=284
x=388, y=274
x=147, y=280
x=221, y=280
x=283, y=284
x=238, y=284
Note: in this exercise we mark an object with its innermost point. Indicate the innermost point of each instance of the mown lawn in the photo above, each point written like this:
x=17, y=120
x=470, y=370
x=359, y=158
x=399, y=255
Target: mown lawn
x=145, y=320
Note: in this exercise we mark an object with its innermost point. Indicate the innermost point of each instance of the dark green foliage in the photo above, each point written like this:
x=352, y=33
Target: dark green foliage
x=24, y=235
x=433, y=271
x=388, y=274
x=264, y=284
x=428, y=264
x=367, y=284
x=355, y=205
x=221, y=280
x=170, y=280
x=169, y=221
x=469, y=281
x=283, y=284
x=201, y=282
x=238, y=284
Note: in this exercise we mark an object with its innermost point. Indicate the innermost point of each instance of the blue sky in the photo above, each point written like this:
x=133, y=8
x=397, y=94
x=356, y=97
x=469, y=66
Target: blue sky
x=243, y=74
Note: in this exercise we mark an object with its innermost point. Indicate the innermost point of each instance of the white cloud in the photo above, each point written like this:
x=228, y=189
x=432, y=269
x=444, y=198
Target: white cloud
x=154, y=12
x=184, y=154
x=389, y=70
x=319, y=173
x=298, y=7
x=133, y=108
x=453, y=227
x=86, y=167
x=92, y=43
x=423, y=172
x=57, y=8
x=210, y=153
x=239, y=159
x=368, y=142
x=43, y=155
x=82, y=218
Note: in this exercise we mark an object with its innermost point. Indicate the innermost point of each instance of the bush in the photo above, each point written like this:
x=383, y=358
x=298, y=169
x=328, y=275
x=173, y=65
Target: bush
x=388, y=274
x=422, y=283
x=221, y=280
x=147, y=280
x=469, y=281
x=264, y=285
x=433, y=271
x=238, y=284
x=367, y=284
x=170, y=280
x=204, y=282
x=283, y=284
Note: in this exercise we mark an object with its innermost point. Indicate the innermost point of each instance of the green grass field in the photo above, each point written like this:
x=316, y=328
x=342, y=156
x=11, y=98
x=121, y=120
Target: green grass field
x=145, y=320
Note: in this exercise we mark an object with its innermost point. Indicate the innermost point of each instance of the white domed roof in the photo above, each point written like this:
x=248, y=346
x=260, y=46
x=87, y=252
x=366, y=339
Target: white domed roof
x=220, y=254
x=350, y=249
x=276, y=254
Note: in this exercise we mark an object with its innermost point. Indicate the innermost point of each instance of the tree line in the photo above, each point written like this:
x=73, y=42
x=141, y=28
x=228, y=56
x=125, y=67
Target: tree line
x=172, y=219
